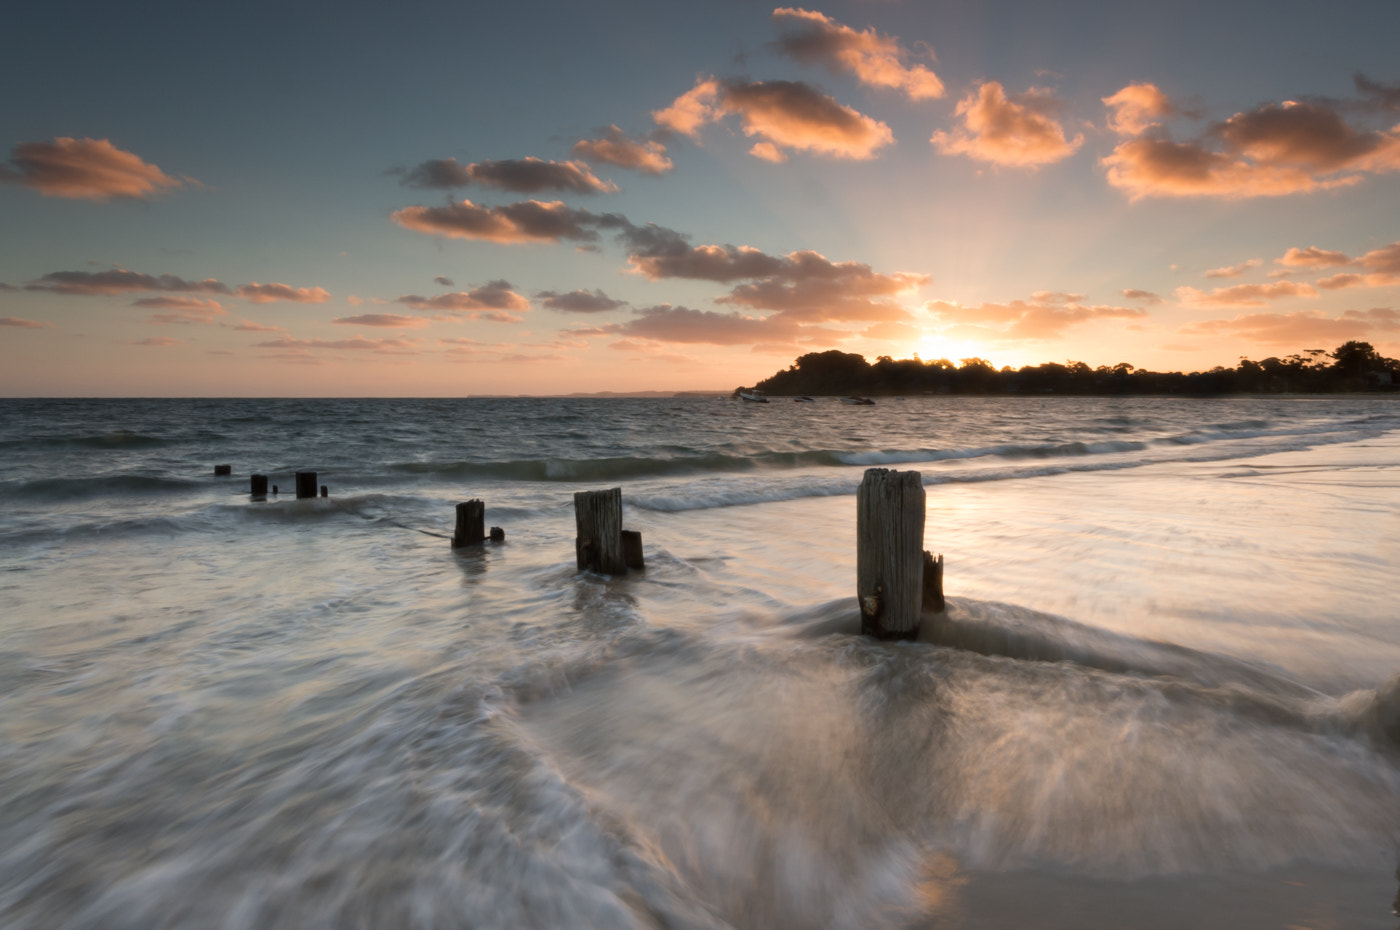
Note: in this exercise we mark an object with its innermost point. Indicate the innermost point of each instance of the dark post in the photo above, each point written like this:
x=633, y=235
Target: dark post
x=890, y=553
x=598, y=546
x=325, y=491
x=632, y=549
x=259, y=486
x=933, y=583
x=471, y=521
x=306, y=484
x=221, y=471
x=498, y=534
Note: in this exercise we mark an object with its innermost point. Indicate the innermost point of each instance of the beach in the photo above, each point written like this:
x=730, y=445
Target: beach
x=1146, y=706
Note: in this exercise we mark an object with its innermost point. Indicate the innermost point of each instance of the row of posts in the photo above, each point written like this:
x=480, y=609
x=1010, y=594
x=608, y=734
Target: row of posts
x=897, y=581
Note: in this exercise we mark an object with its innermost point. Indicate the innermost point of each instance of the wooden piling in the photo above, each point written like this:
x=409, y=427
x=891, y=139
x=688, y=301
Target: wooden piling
x=598, y=546
x=933, y=584
x=471, y=522
x=223, y=471
x=306, y=484
x=258, y=487
x=890, y=553
x=632, y=549
x=325, y=491
x=498, y=534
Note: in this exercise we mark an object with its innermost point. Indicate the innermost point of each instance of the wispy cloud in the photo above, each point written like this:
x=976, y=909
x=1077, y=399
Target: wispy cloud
x=182, y=310
x=383, y=346
x=158, y=342
x=1313, y=257
x=580, y=301
x=386, y=320
x=120, y=281
x=1291, y=329
x=21, y=323
x=1234, y=271
x=493, y=302
x=617, y=148
x=1021, y=320
x=513, y=223
x=1243, y=295
x=84, y=169
x=520, y=175
x=1147, y=297
x=1019, y=131
x=267, y=293
x=875, y=60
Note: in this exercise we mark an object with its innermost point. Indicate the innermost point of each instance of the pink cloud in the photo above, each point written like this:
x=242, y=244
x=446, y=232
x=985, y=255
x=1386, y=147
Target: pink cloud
x=496, y=296
x=1291, y=329
x=386, y=320
x=182, y=310
x=1023, y=320
x=159, y=342
x=528, y=175
x=1234, y=271
x=267, y=293
x=120, y=281
x=1243, y=295
x=355, y=344
x=1018, y=131
x=521, y=222
x=84, y=169
x=875, y=60
x=580, y=301
x=1272, y=151
x=1147, y=297
x=666, y=323
x=616, y=148
x=248, y=326
x=21, y=323
x=782, y=115
x=1137, y=108
x=1313, y=257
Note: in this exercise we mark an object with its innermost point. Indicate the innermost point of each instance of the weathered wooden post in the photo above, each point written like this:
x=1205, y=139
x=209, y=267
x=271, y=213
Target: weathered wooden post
x=598, y=546
x=890, y=558
x=306, y=484
x=498, y=534
x=223, y=471
x=933, y=583
x=258, y=487
x=325, y=491
x=632, y=549
x=471, y=524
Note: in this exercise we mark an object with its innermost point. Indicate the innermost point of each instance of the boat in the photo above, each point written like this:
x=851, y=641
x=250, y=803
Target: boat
x=858, y=401
x=753, y=397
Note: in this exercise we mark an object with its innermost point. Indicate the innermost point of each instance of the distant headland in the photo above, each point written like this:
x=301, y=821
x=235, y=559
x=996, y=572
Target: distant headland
x=1351, y=367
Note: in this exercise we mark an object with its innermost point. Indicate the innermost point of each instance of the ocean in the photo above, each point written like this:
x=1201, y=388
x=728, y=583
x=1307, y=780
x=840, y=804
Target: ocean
x=1151, y=703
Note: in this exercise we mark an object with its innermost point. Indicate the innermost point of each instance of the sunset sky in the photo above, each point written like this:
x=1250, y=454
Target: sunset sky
x=462, y=198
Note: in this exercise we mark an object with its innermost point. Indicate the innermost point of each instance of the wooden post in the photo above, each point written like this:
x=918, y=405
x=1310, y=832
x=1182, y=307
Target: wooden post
x=222, y=471
x=325, y=491
x=258, y=487
x=890, y=553
x=498, y=534
x=933, y=583
x=471, y=522
x=632, y=549
x=306, y=484
x=598, y=546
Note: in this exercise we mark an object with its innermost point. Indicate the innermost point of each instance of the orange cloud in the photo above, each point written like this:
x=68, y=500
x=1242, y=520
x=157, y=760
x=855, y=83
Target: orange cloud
x=616, y=148
x=1313, y=257
x=1291, y=329
x=878, y=61
x=521, y=222
x=1137, y=108
x=1243, y=295
x=1133, y=293
x=120, y=281
x=1023, y=320
x=159, y=342
x=1275, y=150
x=528, y=175
x=580, y=301
x=182, y=310
x=494, y=296
x=782, y=114
x=666, y=323
x=1234, y=271
x=248, y=326
x=21, y=323
x=267, y=293
x=386, y=320
x=1018, y=131
x=83, y=169
x=356, y=344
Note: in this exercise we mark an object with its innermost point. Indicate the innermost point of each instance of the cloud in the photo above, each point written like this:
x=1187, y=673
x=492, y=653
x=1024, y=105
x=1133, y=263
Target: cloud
x=84, y=169
x=892, y=332
x=382, y=346
x=1137, y=108
x=875, y=60
x=267, y=293
x=1023, y=320
x=495, y=296
x=520, y=222
x=1382, y=96
x=1291, y=329
x=665, y=323
x=1385, y=260
x=1019, y=131
x=1132, y=293
x=181, y=310
x=528, y=175
x=782, y=115
x=616, y=148
x=1234, y=271
x=580, y=301
x=248, y=326
x=386, y=320
x=120, y=281
x=21, y=323
x=444, y=281
x=159, y=342
x=1313, y=257
x=1272, y=151
x=1243, y=295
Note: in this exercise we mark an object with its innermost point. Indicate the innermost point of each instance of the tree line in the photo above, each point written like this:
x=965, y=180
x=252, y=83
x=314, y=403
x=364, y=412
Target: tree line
x=1352, y=366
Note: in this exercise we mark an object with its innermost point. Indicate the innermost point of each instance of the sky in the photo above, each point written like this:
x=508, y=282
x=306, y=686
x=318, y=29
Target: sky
x=452, y=199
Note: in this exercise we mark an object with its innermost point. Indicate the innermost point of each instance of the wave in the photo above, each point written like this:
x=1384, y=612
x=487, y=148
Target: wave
x=55, y=490
x=117, y=439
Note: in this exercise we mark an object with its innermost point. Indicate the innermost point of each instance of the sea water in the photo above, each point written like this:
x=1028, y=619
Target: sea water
x=1151, y=702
